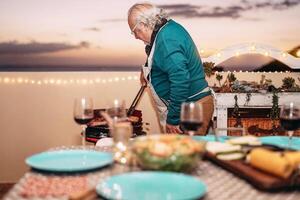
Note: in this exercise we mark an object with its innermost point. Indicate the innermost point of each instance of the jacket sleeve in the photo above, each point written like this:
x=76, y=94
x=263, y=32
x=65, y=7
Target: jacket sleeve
x=174, y=64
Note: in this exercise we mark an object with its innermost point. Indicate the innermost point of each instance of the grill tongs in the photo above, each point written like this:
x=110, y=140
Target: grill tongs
x=136, y=100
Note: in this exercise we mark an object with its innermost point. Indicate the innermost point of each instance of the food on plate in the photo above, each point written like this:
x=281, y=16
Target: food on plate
x=281, y=164
x=219, y=147
x=245, y=140
x=167, y=152
x=225, y=151
x=231, y=156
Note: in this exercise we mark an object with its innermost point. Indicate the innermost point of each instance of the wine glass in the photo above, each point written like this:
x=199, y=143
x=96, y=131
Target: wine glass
x=290, y=119
x=83, y=113
x=191, y=117
x=117, y=110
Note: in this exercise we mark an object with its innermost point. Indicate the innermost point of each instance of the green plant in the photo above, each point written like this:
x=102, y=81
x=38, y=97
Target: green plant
x=236, y=113
x=236, y=107
x=219, y=77
x=248, y=98
x=274, y=114
x=208, y=68
x=262, y=79
x=231, y=77
x=288, y=83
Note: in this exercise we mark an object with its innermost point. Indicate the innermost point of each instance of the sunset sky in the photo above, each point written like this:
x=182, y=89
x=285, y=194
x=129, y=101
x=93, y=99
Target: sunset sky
x=95, y=32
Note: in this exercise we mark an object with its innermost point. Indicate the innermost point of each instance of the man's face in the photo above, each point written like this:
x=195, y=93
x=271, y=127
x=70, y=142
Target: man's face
x=139, y=30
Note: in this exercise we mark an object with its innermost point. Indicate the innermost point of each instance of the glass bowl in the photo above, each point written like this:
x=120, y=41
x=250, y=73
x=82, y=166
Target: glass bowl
x=167, y=152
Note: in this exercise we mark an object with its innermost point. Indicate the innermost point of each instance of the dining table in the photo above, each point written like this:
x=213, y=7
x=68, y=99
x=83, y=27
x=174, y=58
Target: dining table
x=220, y=184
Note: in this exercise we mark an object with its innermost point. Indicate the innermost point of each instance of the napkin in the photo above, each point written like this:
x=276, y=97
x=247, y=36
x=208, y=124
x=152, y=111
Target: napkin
x=105, y=142
x=276, y=163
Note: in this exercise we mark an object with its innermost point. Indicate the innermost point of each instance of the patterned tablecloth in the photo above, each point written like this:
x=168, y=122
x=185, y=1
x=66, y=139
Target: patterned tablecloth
x=221, y=184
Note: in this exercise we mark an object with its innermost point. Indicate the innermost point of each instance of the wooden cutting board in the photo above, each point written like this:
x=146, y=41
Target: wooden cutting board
x=257, y=178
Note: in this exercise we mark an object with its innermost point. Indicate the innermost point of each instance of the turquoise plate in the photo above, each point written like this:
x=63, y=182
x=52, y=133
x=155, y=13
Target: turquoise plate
x=211, y=138
x=151, y=186
x=69, y=160
x=281, y=141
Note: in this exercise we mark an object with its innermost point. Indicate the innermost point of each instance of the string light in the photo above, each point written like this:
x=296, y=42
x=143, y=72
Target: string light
x=19, y=80
x=6, y=80
x=219, y=55
x=298, y=53
x=237, y=54
x=266, y=53
x=84, y=81
x=91, y=81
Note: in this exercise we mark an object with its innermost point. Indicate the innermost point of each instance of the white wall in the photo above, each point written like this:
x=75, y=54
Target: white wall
x=37, y=116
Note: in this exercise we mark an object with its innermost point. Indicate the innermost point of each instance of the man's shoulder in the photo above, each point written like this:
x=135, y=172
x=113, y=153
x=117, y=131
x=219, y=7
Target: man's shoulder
x=172, y=26
x=172, y=31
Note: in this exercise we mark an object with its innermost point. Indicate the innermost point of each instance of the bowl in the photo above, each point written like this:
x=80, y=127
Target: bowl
x=167, y=152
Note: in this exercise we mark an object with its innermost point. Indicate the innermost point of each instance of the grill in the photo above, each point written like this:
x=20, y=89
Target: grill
x=94, y=133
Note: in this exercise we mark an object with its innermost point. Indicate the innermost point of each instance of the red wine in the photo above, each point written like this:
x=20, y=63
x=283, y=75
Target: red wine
x=190, y=125
x=82, y=121
x=290, y=124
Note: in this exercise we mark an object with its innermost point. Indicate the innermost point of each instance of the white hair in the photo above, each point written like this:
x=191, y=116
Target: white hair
x=148, y=14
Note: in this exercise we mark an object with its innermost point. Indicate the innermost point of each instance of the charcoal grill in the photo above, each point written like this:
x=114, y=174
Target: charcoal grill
x=94, y=133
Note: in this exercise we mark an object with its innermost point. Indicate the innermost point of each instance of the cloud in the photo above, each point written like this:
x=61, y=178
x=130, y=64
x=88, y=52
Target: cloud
x=113, y=20
x=94, y=29
x=192, y=11
x=232, y=11
x=16, y=48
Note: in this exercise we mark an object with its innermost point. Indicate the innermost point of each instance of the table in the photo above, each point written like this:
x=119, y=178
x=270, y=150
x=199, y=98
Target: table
x=221, y=184
x=258, y=100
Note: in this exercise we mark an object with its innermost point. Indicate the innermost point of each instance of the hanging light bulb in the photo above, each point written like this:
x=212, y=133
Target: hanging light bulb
x=298, y=53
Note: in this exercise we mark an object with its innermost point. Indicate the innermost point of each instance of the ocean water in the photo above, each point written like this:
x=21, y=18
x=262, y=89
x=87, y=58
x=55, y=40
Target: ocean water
x=65, y=68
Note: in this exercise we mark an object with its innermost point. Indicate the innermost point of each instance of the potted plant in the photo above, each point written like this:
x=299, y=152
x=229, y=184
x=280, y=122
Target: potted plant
x=208, y=68
x=219, y=77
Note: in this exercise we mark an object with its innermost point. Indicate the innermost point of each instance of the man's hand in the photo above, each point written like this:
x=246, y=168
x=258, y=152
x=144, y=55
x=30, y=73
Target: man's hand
x=142, y=79
x=173, y=128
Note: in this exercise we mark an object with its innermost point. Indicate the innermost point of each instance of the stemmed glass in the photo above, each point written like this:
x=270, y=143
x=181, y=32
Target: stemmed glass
x=83, y=113
x=191, y=117
x=290, y=119
x=117, y=111
x=120, y=130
